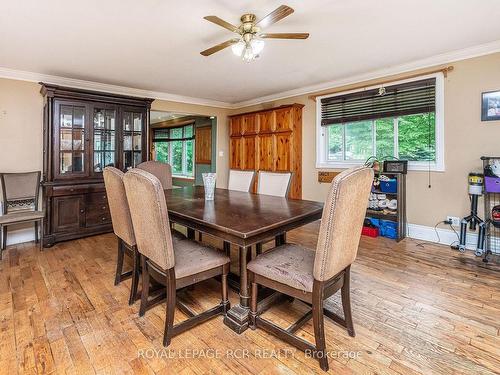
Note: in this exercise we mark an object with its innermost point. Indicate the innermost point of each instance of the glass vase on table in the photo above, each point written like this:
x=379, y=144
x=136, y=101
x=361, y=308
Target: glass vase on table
x=209, y=185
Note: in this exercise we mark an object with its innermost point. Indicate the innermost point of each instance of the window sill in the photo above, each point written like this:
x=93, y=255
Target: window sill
x=182, y=177
x=435, y=167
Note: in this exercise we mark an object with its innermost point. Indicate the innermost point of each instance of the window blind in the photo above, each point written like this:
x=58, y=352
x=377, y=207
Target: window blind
x=398, y=100
x=167, y=134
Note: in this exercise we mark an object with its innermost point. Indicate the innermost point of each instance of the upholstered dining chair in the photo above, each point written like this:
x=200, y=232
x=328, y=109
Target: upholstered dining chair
x=312, y=276
x=240, y=180
x=20, y=203
x=173, y=264
x=162, y=171
x=277, y=184
x=123, y=229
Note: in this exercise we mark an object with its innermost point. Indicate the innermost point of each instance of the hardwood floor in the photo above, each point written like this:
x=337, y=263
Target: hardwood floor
x=416, y=310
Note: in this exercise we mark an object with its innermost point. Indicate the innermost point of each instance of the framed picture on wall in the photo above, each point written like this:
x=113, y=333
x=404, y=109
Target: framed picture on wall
x=490, y=108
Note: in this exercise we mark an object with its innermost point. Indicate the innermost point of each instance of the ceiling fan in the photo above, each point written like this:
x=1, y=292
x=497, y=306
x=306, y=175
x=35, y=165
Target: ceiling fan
x=250, y=41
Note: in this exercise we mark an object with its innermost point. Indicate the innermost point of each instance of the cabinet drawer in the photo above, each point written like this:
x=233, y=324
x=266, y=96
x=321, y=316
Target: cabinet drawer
x=99, y=207
x=97, y=198
x=58, y=191
x=97, y=220
x=97, y=215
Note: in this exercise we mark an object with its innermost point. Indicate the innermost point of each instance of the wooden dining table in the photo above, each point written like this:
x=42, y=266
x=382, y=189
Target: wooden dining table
x=242, y=219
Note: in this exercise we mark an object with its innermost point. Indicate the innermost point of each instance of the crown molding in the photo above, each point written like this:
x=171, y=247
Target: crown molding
x=115, y=89
x=444, y=58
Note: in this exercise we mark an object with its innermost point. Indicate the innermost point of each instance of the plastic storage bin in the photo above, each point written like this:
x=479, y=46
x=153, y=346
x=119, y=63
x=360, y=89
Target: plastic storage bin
x=375, y=222
x=390, y=186
x=370, y=231
x=492, y=184
x=389, y=229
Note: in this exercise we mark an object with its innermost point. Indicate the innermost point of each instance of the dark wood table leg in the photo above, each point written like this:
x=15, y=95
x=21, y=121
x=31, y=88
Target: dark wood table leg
x=237, y=317
x=190, y=233
x=280, y=239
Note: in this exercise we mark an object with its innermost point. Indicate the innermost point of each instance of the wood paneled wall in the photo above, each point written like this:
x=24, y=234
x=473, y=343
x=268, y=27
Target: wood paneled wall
x=269, y=140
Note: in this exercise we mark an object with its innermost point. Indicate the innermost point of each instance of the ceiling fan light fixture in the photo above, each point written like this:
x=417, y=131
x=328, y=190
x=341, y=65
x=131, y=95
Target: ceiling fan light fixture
x=248, y=54
x=257, y=45
x=238, y=48
x=249, y=42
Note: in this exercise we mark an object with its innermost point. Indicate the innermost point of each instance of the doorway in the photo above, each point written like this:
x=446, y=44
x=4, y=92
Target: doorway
x=186, y=142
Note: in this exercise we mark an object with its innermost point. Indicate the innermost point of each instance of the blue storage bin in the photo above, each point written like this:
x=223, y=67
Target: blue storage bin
x=390, y=186
x=388, y=229
x=375, y=222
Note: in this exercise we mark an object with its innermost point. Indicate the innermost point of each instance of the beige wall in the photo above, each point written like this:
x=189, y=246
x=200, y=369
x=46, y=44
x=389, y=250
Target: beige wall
x=466, y=140
x=21, y=110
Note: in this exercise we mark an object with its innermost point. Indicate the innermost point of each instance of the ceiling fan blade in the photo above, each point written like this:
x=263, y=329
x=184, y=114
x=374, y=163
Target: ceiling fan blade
x=219, y=47
x=284, y=35
x=276, y=15
x=221, y=22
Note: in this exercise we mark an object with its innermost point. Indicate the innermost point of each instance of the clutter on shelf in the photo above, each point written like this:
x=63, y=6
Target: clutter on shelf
x=386, y=209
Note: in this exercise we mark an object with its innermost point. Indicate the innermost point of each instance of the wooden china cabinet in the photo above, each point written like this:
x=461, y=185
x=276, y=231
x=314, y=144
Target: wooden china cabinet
x=85, y=131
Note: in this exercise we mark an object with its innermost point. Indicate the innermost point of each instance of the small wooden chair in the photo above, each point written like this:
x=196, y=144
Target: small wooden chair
x=20, y=203
x=173, y=264
x=162, y=171
x=312, y=276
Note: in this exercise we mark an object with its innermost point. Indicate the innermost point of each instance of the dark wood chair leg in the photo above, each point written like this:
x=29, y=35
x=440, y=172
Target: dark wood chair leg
x=145, y=287
x=36, y=232
x=253, y=303
x=346, y=301
x=41, y=235
x=135, y=277
x=4, y=237
x=171, y=301
x=119, y=262
x=318, y=323
x=224, y=290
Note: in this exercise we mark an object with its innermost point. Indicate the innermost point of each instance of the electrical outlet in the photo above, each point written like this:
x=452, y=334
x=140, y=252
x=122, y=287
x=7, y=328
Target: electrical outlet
x=455, y=221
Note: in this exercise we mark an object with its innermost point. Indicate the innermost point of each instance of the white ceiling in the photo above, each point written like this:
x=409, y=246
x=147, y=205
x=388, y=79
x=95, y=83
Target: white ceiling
x=154, y=44
x=160, y=116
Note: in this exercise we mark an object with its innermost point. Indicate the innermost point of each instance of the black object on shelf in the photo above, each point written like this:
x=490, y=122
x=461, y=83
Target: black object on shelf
x=396, y=166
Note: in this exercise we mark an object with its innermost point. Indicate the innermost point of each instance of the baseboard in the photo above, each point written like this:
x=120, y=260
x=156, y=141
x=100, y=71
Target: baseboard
x=446, y=236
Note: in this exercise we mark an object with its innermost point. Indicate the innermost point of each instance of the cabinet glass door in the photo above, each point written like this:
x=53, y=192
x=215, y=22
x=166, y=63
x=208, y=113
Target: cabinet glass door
x=71, y=139
x=104, y=127
x=132, y=138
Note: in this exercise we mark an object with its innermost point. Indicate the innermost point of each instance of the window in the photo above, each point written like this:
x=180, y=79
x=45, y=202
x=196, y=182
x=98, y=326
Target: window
x=405, y=122
x=175, y=146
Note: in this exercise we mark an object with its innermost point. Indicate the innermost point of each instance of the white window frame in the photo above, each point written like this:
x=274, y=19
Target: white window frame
x=184, y=154
x=322, y=161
